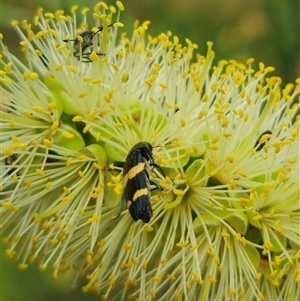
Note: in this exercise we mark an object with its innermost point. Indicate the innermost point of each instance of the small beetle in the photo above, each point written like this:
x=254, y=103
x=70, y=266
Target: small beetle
x=136, y=179
x=9, y=162
x=82, y=48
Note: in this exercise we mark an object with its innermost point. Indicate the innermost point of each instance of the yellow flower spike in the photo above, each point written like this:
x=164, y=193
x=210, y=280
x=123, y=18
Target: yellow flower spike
x=68, y=131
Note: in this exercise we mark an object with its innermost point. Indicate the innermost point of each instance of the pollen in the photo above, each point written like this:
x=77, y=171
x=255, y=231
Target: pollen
x=26, y=112
x=48, y=186
x=94, y=218
x=292, y=160
x=65, y=199
x=10, y=253
x=131, y=282
x=8, y=205
x=124, y=77
x=231, y=293
x=225, y=234
x=243, y=174
x=163, y=85
x=23, y=266
x=98, y=136
x=87, y=128
x=178, y=192
x=54, y=125
x=68, y=162
x=52, y=106
x=97, y=166
x=12, y=123
x=183, y=244
x=72, y=68
x=230, y=159
x=59, y=66
x=77, y=118
x=67, y=190
x=156, y=278
x=171, y=277
x=96, y=81
x=115, y=67
x=82, y=95
x=93, y=56
x=261, y=296
x=211, y=279
x=127, y=247
x=68, y=135
x=48, y=143
x=16, y=139
x=213, y=147
x=257, y=217
x=39, y=172
x=120, y=5
x=195, y=247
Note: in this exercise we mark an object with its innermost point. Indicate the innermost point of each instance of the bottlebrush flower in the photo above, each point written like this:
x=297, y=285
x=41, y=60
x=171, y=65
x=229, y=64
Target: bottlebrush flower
x=226, y=224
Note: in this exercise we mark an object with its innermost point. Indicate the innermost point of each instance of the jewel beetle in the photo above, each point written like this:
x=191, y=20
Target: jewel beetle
x=137, y=182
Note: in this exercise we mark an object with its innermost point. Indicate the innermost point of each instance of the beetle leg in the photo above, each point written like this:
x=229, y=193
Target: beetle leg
x=158, y=187
x=123, y=204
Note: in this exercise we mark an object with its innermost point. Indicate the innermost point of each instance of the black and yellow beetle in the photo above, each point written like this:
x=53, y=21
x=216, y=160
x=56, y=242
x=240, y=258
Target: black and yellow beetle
x=136, y=181
x=87, y=43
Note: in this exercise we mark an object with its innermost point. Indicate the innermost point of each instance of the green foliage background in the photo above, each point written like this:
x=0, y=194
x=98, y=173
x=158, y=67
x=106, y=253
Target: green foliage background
x=268, y=30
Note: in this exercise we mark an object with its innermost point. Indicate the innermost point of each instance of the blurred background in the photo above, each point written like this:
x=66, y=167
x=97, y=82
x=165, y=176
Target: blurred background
x=267, y=30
